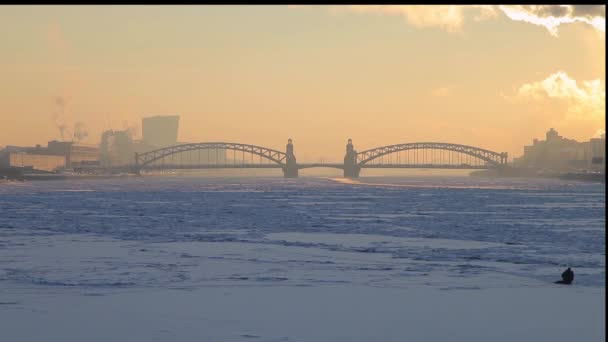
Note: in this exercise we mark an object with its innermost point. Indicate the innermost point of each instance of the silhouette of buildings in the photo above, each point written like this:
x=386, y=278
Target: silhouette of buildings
x=44, y=162
x=598, y=153
x=116, y=148
x=561, y=154
x=160, y=131
x=76, y=154
x=56, y=156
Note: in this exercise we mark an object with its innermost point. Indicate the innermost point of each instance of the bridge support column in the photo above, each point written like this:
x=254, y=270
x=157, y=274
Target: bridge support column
x=351, y=168
x=290, y=170
x=351, y=172
x=135, y=169
x=504, y=158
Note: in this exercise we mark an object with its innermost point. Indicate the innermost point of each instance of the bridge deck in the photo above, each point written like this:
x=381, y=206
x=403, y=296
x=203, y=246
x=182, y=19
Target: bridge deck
x=425, y=166
x=311, y=165
x=212, y=166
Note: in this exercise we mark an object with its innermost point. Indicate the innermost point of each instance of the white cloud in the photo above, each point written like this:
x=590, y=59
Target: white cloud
x=584, y=101
x=552, y=16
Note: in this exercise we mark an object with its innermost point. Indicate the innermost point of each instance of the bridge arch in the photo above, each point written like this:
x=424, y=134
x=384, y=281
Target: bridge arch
x=491, y=157
x=146, y=158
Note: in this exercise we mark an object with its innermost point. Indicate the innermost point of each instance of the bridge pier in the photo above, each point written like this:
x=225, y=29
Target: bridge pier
x=290, y=170
x=351, y=168
x=136, y=169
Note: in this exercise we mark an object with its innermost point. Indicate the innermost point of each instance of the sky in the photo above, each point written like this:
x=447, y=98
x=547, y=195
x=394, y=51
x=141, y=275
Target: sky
x=488, y=76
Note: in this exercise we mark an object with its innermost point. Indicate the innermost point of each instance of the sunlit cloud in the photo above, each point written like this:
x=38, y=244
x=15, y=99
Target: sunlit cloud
x=586, y=100
x=451, y=18
x=447, y=17
x=552, y=16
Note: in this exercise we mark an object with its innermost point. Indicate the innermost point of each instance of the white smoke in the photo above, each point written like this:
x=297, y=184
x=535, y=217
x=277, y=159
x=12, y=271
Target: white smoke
x=80, y=131
x=59, y=116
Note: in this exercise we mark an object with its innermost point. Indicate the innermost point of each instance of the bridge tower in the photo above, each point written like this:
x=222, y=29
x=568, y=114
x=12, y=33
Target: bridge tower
x=291, y=166
x=351, y=169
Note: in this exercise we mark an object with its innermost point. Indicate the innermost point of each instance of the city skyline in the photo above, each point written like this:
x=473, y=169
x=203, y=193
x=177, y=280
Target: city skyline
x=491, y=76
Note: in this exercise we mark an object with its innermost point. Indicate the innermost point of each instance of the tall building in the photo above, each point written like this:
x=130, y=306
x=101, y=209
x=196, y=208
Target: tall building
x=160, y=131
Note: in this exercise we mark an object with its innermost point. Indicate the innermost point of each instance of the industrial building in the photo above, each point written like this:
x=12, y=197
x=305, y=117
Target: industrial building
x=56, y=156
x=43, y=162
x=75, y=153
x=160, y=131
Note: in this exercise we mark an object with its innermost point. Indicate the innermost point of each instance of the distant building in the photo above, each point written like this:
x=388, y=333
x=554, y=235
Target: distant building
x=160, y=131
x=44, y=162
x=561, y=154
x=75, y=153
x=116, y=149
x=57, y=155
x=598, y=153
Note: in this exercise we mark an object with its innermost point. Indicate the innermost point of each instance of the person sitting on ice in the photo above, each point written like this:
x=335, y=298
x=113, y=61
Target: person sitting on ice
x=567, y=277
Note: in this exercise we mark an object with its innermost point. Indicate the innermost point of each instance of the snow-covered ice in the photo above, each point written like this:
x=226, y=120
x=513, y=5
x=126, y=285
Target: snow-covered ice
x=308, y=259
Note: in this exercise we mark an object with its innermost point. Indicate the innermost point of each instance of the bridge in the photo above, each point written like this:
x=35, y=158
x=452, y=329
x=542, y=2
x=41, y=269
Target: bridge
x=215, y=155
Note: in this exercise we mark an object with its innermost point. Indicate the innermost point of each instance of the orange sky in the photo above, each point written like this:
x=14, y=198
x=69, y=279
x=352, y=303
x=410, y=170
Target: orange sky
x=489, y=76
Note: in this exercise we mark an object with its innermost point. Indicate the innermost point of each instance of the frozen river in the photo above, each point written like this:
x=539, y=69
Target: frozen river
x=308, y=259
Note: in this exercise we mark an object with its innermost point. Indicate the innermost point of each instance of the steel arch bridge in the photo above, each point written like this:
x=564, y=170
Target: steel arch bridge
x=491, y=157
x=416, y=155
x=142, y=160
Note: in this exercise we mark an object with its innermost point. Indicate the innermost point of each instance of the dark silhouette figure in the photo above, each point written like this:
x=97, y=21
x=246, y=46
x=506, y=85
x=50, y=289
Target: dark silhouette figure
x=567, y=277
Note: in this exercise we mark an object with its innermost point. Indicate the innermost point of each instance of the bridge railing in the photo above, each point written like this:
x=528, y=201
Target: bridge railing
x=422, y=153
x=146, y=159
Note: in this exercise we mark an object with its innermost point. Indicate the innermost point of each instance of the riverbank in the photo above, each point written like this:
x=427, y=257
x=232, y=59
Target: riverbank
x=532, y=173
x=58, y=176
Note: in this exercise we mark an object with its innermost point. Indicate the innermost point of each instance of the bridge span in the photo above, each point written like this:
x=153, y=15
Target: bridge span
x=436, y=155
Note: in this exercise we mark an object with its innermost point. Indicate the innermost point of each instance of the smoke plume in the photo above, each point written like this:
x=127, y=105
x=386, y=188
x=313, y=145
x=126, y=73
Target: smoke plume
x=132, y=129
x=59, y=116
x=80, y=131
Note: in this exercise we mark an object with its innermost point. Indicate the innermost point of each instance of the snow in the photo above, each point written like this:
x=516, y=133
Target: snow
x=421, y=258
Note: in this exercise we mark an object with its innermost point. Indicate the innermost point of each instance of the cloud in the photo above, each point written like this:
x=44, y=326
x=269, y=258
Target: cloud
x=584, y=101
x=451, y=18
x=447, y=17
x=552, y=16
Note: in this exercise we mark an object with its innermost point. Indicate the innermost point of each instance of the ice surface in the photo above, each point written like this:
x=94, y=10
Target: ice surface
x=371, y=240
x=308, y=259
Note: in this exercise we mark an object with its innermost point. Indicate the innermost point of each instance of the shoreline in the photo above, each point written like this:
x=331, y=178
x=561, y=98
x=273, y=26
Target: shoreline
x=527, y=173
x=492, y=173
